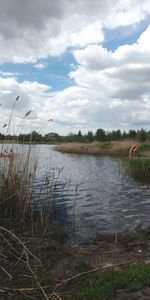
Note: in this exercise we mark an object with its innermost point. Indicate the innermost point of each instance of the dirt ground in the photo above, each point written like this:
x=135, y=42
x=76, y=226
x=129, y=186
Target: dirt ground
x=105, y=253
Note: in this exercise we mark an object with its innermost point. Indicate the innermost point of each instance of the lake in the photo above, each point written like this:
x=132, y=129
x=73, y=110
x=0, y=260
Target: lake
x=92, y=195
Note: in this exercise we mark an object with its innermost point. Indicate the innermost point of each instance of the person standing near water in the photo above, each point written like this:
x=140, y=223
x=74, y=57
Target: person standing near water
x=11, y=153
x=133, y=151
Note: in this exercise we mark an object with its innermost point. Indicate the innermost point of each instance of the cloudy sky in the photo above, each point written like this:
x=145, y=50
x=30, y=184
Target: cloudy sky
x=83, y=63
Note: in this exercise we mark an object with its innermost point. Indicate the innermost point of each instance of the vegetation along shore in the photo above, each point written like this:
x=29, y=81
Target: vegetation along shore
x=116, y=148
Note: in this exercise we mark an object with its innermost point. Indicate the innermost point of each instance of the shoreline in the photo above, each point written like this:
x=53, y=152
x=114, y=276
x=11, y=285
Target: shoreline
x=97, y=148
x=116, y=148
x=60, y=263
x=103, y=254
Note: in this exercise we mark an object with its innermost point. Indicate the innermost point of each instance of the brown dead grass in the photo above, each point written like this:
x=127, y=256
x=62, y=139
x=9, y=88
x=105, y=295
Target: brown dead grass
x=120, y=148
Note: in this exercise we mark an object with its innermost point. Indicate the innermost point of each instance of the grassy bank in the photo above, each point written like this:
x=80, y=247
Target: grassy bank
x=118, y=148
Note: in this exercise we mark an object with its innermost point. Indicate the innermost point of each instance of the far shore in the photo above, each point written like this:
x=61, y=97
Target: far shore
x=115, y=148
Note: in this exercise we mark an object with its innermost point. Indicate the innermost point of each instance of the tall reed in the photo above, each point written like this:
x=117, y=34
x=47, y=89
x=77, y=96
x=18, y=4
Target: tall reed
x=17, y=177
x=24, y=225
x=138, y=169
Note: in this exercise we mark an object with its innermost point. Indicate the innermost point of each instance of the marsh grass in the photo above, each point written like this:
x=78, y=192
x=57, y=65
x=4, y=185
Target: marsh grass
x=117, y=148
x=17, y=178
x=138, y=169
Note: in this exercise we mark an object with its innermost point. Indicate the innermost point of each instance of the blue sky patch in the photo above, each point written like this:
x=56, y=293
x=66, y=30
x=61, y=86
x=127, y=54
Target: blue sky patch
x=123, y=35
x=54, y=74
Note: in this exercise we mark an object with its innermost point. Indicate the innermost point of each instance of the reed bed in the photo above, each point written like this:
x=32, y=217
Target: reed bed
x=29, y=245
x=139, y=169
x=118, y=148
x=18, y=172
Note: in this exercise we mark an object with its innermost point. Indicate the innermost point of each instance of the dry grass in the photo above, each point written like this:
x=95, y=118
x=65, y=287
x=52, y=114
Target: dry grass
x=79, y=148
x=119, y=148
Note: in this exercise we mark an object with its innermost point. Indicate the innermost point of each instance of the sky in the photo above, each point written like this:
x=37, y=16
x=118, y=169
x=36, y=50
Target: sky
x=84, y=64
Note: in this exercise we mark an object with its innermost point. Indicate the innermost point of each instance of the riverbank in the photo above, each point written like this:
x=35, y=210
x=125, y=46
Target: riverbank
x=116, y=148
x=119, y=148
x=36, y=267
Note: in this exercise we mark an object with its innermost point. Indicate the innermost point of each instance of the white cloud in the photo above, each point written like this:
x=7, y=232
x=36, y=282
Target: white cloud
x=117, y=83
x=35, y=29
x=8, y=74
x=111, y=89
x=89, y=35
x=40, y=66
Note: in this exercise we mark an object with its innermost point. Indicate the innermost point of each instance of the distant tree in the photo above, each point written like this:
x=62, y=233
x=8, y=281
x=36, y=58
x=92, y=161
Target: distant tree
x=124, y=135
x=141, y=135
x=132, y=134
x=36, y=137
x=148, y=135
x=109, y=136
x=79, y=136
x=100, y=135
x=90, y=136
x=116, y=135
x=70, y=137
x=24, y=137
x=51, y=137
x=2, y=136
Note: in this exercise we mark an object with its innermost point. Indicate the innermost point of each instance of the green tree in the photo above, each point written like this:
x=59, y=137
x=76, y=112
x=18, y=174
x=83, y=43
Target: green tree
x=90, y=136
x=79, y=136
x=100, y=135
x=141, y=135
x=132, y=134
x=36, y=137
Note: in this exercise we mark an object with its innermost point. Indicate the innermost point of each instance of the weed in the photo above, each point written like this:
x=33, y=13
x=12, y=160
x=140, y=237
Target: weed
x=103, y=285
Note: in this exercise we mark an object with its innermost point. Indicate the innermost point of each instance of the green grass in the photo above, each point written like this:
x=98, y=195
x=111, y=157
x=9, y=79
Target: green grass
x=139, y=169
x=100, y=286
x=143, y=148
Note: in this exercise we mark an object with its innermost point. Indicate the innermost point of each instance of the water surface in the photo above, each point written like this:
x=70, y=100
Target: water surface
x=91, y=193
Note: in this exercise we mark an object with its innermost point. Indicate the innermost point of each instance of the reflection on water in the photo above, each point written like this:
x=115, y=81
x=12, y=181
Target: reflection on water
x=90, y=193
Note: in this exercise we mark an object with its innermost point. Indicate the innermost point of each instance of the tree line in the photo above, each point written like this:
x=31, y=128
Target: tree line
x=100, y=135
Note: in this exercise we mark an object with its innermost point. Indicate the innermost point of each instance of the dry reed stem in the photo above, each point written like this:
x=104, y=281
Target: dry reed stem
x=1, y=202
x=56, y=296
x=37, y=281
x=26, y=252
x=6, y=272
x=4, y=256
x=23, y=245
x=10, y=245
